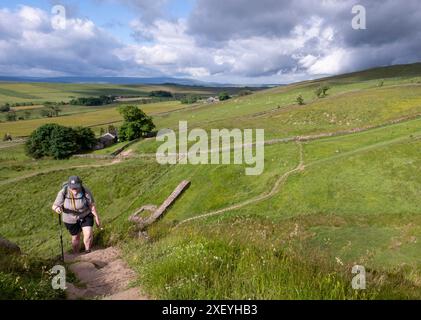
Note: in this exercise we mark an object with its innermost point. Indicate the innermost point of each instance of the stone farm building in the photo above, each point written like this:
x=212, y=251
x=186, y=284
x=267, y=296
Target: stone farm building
x=212, y=100
x=105, y=141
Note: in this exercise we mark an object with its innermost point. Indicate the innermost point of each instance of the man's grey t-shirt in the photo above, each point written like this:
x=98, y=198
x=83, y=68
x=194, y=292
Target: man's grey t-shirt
x=74, y=206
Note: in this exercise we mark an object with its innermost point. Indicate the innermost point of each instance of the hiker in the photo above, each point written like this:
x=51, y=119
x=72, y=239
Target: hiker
x=77, y=206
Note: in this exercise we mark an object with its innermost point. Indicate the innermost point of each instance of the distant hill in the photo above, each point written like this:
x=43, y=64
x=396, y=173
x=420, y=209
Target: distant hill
x=133, y=81
x=109, y=80
x=126, y=80
x=405, y=70
x=402, y=70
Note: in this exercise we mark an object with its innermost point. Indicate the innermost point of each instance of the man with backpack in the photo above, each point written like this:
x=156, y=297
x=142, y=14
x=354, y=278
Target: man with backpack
x=77, y=206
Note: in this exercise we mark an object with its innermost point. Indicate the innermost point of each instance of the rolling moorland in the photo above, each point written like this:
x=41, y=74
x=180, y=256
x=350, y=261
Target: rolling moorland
x=341, y=186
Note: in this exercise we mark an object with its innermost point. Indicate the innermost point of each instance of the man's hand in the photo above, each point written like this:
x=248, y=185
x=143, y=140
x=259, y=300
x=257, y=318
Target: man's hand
x=58, y=210
x=97, y=222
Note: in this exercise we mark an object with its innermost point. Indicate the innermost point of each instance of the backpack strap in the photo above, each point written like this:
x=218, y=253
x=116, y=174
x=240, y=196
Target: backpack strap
x=65, y=190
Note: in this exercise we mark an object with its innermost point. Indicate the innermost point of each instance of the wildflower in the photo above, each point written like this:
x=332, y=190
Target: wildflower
x=339, y=261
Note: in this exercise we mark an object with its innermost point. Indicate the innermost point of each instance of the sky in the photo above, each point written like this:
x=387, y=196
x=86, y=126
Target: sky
x=226, y=41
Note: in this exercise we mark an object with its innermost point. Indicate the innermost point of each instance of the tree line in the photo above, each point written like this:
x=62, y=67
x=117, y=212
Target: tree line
x=93, y=101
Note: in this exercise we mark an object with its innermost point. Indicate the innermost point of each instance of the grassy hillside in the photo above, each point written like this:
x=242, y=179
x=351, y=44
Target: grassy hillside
x=322, y=204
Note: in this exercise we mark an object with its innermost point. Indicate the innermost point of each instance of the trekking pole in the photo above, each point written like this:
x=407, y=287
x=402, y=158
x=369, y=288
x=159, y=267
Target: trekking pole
x=61, y=238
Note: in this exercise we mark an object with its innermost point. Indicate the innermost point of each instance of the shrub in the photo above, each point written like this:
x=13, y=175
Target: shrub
x=224, y=96
x=300, y=100
x=321, y=91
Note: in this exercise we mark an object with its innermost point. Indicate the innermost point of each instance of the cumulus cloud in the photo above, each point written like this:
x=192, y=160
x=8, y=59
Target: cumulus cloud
x=316, y=36
x=171, y=50
x=31, y=46
x=148, y=10
x=220, y=40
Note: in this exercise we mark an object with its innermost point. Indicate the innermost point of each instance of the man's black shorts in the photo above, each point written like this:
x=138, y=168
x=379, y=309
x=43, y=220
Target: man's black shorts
x=76, y=228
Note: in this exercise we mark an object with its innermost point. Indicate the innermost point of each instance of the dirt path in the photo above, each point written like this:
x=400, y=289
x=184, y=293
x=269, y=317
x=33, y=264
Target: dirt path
x=264, y=196
x=102, y=274
x=123, y=155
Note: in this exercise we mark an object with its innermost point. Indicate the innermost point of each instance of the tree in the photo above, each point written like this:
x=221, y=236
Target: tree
x=45, y=113
x=381, y=83
x=38, y=143
x=224, y=96
x=300, y=100
x=5, y=108
x=63, y=143
x=101, y=131
x=59, y=142
x=136, y=123
x=92, y=101
x=85, y=138
x=27, y=114
x=189, y=99
x=55, y=110
x=11, y=116
x=130, y=131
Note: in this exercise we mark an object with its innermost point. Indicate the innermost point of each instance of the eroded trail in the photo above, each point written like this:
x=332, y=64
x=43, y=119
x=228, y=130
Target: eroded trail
x=102, y=274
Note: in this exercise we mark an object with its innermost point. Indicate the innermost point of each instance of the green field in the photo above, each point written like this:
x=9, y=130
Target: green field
x=11, y=92
x=39, y=93
x=321, y=206
x=94, y=117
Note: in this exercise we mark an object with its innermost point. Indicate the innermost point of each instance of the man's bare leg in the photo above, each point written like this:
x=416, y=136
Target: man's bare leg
x=88, y=237
x=75, y=243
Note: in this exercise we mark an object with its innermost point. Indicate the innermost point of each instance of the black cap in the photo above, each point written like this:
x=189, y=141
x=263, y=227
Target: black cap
x=74, y=182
